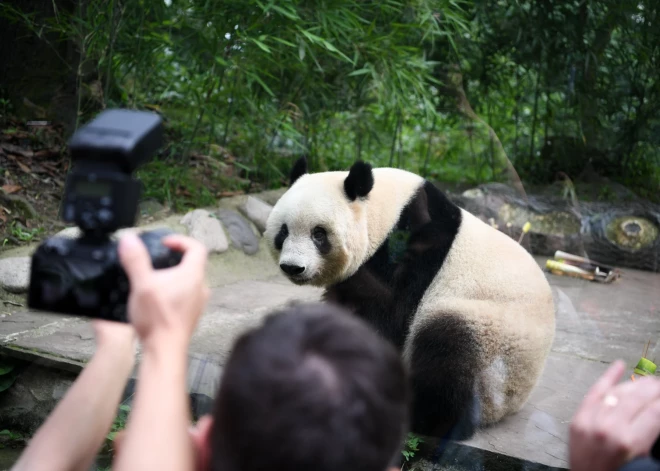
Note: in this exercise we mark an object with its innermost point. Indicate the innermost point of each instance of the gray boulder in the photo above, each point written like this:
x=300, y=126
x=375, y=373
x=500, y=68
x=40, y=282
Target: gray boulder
x=256, y=211
x=15, y=274
x=207, y=229
x=241, y=234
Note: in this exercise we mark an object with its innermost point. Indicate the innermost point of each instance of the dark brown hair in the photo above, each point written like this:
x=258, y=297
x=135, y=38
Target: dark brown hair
x=313, y=388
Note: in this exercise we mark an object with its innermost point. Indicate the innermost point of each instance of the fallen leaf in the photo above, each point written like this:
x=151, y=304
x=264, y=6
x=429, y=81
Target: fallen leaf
x=12, y=149
x=46, y=153
x=15, y=133
x=225, y=194
x=9, y=189
x=24, y=167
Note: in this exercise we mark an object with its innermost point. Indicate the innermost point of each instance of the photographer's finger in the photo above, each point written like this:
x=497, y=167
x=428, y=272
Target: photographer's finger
x=194, y=252
x=611, y=376
x=134, y=259
x=592, y=401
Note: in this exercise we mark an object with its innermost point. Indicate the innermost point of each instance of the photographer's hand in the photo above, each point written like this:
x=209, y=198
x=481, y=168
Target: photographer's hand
x=164, y=306
x=615, y=423
x=87, y=410
x=168, y=302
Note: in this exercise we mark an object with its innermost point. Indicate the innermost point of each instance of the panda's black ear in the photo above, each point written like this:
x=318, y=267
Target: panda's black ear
x=360, y=180
x=299, y=169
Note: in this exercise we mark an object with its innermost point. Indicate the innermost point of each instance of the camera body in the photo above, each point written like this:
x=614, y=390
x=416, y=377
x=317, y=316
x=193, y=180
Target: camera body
x=83, y=276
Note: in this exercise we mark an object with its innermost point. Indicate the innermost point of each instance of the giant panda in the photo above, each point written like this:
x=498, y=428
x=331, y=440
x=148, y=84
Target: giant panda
x=469, y=309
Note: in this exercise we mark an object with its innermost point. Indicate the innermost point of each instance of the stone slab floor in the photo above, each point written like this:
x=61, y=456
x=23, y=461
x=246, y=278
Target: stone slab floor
x=596, y=324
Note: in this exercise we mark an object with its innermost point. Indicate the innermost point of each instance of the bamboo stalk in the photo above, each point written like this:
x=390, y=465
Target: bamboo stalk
x=559, y=255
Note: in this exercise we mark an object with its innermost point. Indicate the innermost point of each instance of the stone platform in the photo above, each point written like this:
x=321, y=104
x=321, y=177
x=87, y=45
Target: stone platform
x=596, y=324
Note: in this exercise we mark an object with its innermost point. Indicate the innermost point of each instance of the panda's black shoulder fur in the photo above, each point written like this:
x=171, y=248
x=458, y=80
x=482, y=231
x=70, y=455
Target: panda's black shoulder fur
x=386, y=292
x=396, y=277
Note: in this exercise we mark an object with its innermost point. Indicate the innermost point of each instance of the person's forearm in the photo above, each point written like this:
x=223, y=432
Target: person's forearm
x=74, y=432
x=160, y=415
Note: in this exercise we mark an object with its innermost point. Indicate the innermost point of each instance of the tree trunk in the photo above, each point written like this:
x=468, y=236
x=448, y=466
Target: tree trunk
x=39, y=75
x=618, y=234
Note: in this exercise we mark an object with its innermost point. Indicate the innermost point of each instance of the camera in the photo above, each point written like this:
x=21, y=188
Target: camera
x=83, y=276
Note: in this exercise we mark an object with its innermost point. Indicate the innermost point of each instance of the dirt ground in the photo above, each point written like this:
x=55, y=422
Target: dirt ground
x=33, y=165
x=34, y=161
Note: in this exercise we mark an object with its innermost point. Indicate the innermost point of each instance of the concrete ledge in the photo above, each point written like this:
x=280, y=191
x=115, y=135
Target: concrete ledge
x=596, y=324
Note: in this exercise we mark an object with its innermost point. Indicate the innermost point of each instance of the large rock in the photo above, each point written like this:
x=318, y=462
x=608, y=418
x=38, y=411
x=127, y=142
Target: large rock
x=256, y=211
x=553, y=226
x=620, y=234
x=271, y=197
x=15, y=274
x=206, y=228
x=27, y=403
x=241, y=234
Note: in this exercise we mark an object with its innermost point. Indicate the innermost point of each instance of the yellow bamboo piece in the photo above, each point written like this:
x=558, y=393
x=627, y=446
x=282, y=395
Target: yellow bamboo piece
x=559, y=268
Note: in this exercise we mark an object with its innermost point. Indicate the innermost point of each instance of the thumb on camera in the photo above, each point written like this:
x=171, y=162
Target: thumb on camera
x=134, y=257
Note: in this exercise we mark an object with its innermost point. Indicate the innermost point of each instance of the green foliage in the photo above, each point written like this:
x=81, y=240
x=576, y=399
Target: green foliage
x=8, y=373
x=120, y=421
x=174, y=184
x=453, y=89
x=546, y=74
x=411, y=446
x=11, y=439
x=23, y=234
x=11, y=435
x=5, y=108
x=268, y=79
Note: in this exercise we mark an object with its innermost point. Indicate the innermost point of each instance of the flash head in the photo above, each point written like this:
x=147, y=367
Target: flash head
x=124, y=138
x=101, y=194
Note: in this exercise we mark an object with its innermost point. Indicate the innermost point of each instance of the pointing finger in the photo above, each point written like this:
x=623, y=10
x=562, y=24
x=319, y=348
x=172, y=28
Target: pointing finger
x=611, y=376
x=597, y=391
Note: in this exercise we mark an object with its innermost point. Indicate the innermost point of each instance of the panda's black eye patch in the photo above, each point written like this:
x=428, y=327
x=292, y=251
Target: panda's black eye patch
x=281, y=237
x=320, y=238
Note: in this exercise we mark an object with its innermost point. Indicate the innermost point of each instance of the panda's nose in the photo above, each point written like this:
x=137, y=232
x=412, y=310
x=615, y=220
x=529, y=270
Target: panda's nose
x=291, y=269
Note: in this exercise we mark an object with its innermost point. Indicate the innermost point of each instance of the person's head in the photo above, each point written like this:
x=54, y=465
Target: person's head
x=312, y=388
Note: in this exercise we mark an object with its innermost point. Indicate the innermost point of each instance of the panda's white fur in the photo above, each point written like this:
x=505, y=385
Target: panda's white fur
x=486, y=281
x=360, y=226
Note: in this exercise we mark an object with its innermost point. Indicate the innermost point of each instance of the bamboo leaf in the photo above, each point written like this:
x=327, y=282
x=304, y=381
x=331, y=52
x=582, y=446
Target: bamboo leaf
x=262, y=83
x=359, y=72
x=261, y=45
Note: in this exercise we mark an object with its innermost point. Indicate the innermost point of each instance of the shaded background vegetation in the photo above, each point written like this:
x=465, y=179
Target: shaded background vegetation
x=458, y=90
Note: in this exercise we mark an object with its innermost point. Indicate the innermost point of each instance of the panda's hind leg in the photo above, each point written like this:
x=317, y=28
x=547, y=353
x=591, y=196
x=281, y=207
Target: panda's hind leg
x=443, y=356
